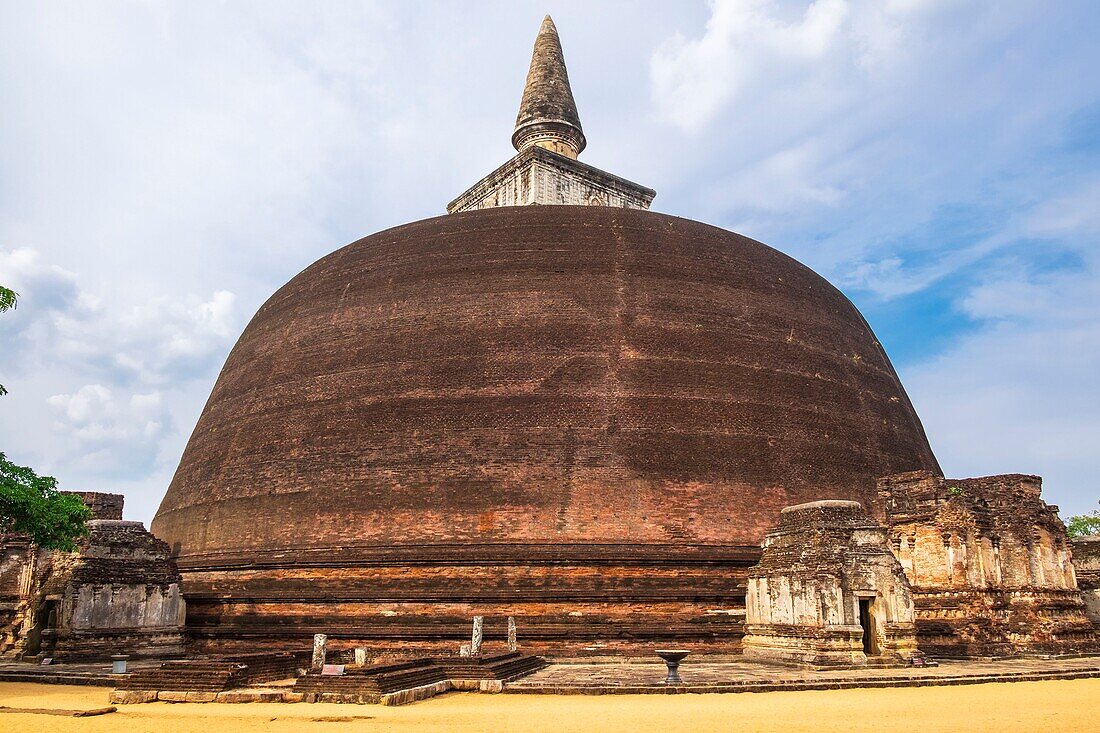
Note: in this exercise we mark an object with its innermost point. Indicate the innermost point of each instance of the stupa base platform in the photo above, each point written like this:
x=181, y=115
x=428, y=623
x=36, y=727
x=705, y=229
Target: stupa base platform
x=706, y=676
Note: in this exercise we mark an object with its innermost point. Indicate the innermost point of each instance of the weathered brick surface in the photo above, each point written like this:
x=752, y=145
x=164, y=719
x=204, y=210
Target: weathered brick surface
x=538, y=409
x=989, y=563
x=1086, y=562
x=119, y=593
x=102, y=505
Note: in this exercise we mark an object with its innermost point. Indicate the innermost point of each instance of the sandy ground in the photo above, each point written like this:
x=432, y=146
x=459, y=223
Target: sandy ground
x=1063, y=706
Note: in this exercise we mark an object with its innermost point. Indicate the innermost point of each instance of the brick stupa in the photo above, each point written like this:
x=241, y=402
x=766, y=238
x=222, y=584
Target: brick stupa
x=586, y=417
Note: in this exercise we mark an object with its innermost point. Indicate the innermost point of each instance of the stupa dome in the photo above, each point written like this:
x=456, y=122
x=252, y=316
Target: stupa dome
x=542, y=376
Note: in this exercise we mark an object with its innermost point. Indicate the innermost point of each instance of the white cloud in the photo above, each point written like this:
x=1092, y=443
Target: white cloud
x=1075, y=213
x=107, y=434
x=693, y=79
x=777, y=183
x=163, y=340
x=95, y=416
x=1018, y=398
x=127, y=369
x=1020, y=393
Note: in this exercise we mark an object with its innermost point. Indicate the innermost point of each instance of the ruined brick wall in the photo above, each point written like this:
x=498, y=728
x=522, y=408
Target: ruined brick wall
x=103, y=506
x=1086, y=562
x=988, y=561
x=803, y=602
x=123, y=579
x=118, y=593
x=17, y=562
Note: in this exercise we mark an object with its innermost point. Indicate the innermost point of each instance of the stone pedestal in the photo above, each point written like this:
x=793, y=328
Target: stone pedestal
x=672, y=659
x=475, y=641
x=320, y=648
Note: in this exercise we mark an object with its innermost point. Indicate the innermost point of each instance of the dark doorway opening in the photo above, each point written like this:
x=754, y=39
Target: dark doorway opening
x=44, y=618
x=866, y=621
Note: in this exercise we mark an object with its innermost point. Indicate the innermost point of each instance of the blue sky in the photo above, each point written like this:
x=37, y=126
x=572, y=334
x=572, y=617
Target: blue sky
x=164, y=167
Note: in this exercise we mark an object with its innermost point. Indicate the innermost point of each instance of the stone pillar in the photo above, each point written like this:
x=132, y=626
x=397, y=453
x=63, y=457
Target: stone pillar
x=1071, y=572
x=982, y=579
x=360, y=655
x=949, y=554
x=1035, y=563
x=320, y=644
x=997, y=577
x=475, y=641
x=26, y=577
x=513, y=645
x=912, y=570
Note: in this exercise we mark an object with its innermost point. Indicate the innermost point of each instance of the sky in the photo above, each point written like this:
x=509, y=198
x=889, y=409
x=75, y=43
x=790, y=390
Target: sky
x=166, y=166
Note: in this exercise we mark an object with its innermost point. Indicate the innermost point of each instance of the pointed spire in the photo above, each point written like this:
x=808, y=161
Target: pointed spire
x=547, y=114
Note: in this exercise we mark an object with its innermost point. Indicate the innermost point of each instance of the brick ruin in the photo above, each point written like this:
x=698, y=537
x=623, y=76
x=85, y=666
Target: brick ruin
x=988, y=562
x=958, y=567
x=828, y=591
x=119, y=593
x=1086, y=563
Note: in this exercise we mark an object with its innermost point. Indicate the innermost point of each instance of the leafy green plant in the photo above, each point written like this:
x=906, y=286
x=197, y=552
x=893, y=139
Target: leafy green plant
x=9, y=299
x=32, y=505
x=955, y=490
x=1083, y=525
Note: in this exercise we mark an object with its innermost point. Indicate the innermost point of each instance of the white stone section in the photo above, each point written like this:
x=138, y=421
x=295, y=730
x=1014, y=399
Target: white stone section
x=538, y=176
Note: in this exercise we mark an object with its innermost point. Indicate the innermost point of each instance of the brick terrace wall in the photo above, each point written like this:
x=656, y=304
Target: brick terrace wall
x=572, y=601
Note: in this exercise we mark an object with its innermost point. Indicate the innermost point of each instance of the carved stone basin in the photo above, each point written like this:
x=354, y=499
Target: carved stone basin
x=672, y=658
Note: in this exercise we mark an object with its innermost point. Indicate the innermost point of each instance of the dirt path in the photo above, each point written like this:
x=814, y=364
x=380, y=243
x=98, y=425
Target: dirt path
x=1064, y=706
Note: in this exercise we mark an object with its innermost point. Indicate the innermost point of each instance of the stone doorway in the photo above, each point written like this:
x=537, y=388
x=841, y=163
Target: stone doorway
x=867, y=621
x=44, y=619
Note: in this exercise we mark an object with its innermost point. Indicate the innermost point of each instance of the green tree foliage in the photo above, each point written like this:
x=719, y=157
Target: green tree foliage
x=1083, y=524
x=31, y=504
x=8, y=300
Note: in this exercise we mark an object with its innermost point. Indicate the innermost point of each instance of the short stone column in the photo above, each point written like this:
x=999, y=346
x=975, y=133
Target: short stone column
x=320, y=647
x=360, y=655
x=475, y=641
x=513, y=645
